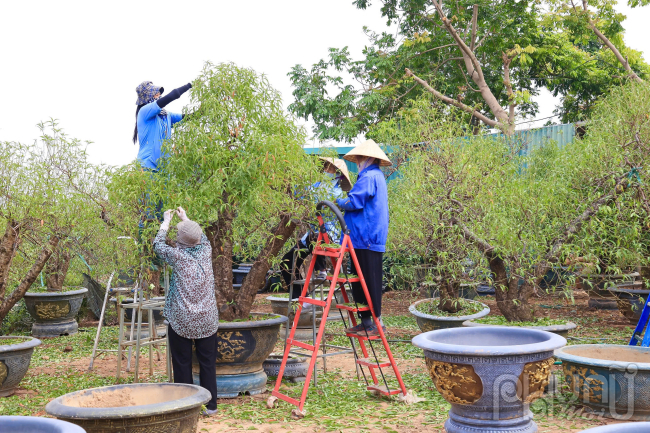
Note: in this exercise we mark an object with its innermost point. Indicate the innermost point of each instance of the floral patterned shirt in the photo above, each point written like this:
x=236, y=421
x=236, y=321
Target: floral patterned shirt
x=191, y=306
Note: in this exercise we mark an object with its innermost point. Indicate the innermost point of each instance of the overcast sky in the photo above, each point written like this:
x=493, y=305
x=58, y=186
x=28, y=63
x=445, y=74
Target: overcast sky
x=80, y=61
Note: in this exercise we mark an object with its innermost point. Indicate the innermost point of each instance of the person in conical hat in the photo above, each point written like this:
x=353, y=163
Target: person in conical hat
x=366, y=215
x=336, y=170
x=339, y=169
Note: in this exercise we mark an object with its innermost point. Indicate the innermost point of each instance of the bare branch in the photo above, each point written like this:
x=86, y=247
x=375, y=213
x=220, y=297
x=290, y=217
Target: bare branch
x=576, y=224
x=455, y=103
x=474, y=20
x=623, y=61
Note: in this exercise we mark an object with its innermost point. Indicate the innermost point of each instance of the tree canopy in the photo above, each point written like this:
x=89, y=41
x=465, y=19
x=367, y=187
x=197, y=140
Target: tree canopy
x=488, y=58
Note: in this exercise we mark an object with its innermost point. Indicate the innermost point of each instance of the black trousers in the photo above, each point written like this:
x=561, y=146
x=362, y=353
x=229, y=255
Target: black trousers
x=206, y=352
x=370, y=263
x=287, y=262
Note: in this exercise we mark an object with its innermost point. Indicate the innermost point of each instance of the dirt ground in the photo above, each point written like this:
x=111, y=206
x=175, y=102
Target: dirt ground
x=395, y=303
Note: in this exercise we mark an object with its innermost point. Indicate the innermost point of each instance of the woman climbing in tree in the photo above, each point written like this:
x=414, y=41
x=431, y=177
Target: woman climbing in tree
x=153, y=123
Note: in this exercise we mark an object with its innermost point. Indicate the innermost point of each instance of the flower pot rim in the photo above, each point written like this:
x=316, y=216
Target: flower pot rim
x=612, y=276
x=631, y=291
x=549, y=341
x=413, y=310
x=631, y=427
x=255, y=324
x=58, y=409
x=22, y=421
x=562, y=354
x=54, y=294
x=28, y=344
x=548, y=328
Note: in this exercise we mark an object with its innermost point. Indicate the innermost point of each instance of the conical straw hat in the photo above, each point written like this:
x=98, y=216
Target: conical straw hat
x=339, y=165
x=371, y=149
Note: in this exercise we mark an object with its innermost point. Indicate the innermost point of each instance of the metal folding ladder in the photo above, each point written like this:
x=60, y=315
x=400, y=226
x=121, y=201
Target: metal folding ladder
x=373, y=364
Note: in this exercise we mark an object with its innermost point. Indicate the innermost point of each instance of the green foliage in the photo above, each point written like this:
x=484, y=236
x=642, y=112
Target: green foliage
x=461, y=198
x=575, y=64
x=48, y=191
x=465, y=306
x=500, y=320
x=617, y=239
x=551, y=43
x=424, y=46
x=18, y=319
x=235, y=164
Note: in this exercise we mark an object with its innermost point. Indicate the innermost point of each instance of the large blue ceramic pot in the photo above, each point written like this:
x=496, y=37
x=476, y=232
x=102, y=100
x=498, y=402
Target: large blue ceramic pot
x=489, y=375
x=610, y=380
x=631, y=427
x=242, y=348
x=15, y=356
x=33, y=424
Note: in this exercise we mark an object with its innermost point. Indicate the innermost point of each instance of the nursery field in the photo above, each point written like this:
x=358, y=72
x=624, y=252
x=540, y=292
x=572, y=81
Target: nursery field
x=340, y=401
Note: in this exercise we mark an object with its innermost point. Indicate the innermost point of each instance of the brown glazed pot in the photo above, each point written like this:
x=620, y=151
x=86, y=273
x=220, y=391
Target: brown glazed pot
x=133, y=408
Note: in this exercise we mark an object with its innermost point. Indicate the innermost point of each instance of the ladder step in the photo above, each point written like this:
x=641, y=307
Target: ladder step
x=373, y=363
x=351, y=308
x=363, y=337
x=382, y=389
x=312, y=301
x=329, y=252
x=301, y=345
x=286, y=398
x=344, y=280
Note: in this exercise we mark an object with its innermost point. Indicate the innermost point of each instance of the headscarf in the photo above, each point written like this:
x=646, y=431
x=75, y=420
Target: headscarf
x=146, y=92
x=365, y=162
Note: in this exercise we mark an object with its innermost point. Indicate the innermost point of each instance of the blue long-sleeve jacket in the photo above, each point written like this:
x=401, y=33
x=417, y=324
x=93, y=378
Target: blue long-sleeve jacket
x=152, y=130
x=366, y=210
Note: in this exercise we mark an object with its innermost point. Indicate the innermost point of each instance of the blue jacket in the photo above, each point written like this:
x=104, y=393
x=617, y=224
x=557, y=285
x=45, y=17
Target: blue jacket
x=152, y=130
x=366, y=210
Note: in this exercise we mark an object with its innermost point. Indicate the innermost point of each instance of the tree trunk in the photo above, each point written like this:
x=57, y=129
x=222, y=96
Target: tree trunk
x=512, y=297
x=8, y=248
x=219, y=236
x=152, y=281
x=256, y=278
x=449, y=296
x=7, y=304
x=56, y=269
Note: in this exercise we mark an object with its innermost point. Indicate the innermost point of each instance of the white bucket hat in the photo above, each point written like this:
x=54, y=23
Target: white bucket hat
x=340, y=166
x=368, y=149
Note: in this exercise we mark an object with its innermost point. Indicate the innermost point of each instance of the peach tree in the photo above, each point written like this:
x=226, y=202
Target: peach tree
x=520, y=210
x=51, y=203
x=236, y=165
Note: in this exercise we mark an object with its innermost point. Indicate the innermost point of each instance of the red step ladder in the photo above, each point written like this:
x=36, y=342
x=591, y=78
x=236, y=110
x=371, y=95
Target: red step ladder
x=372, y=363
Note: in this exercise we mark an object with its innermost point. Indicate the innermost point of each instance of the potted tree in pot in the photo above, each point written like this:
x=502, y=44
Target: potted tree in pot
x=236, y=165
x=75, y=203
x=513, y=204
x=608, y=249
x=36, y=214
x=611, y=146
x=424, y=234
